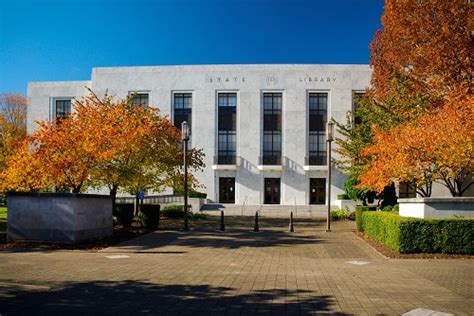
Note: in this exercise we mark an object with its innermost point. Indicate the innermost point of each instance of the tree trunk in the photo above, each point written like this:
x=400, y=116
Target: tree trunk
x=113, y=194
x=137, y=201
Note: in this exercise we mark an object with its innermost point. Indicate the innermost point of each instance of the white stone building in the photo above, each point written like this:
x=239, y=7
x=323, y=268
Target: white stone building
x=262, y=127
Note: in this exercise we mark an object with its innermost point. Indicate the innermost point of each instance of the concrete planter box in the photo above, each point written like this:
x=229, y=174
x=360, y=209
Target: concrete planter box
x=58, y=217
x=437, y=207
x=196, y=204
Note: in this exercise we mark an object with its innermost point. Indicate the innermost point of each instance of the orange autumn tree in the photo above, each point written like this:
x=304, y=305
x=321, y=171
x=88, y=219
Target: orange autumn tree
x=12, y=124
x=435, y=146
x=430, y=42
x=424, y=53
x=103, y=142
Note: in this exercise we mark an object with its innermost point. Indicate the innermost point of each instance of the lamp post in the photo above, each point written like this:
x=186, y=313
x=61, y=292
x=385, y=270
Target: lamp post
x=329, y=139
x=185, y=138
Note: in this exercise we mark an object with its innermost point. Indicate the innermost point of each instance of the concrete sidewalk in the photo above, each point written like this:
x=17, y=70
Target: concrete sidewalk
x=237, y=272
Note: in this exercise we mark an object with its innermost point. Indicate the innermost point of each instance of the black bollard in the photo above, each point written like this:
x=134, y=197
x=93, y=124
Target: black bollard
x=290, y=228
x=256, y=227
x=222, y=221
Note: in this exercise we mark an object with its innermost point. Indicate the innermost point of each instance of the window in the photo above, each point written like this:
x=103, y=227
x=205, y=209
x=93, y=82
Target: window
x=182, y=109
x=317, y=128
x=272, y=104
x=227, y=112
x=317, y=191
x=355, y=99
x=406, y=190
x=140, y=99
x=62, y=109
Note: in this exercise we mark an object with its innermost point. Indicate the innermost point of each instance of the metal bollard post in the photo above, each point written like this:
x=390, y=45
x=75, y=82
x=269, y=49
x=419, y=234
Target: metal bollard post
x=290, y=228
x=256, y=228
x=222, y=221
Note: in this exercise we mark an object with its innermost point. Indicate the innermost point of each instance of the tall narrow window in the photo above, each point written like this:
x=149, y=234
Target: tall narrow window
x=227, y=112
x=317, y=126
x=140, y=99
x=62, y=109
x=356, y=96
x=182, y=109
x=272, y=103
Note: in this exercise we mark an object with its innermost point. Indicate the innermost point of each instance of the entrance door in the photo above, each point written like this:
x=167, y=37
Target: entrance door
x=272, y=190
x=317, y=191
x=226, y=190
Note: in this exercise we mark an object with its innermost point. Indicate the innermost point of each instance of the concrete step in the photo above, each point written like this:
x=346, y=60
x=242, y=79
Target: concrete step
x=315, y=211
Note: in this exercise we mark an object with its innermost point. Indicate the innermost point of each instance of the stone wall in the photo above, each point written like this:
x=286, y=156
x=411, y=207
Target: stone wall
x=437, y=207
x=58, y=217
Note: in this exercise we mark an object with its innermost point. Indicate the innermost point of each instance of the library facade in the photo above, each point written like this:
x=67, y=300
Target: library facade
x=262, y=127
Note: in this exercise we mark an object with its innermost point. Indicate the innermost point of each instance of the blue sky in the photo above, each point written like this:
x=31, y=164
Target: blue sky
x=63, y=39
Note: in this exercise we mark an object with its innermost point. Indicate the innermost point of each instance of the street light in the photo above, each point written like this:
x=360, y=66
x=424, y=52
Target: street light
x=185, y=138
x=329, y=139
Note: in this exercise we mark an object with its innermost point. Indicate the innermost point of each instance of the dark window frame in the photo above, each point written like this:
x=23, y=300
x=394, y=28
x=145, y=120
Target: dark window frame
x=272, y=128
x=317, y=118
x=182, y=109
x=66, y=108
x=140, y=98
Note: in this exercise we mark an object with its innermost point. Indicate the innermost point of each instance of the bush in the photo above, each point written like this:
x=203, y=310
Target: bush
x=197, y=216
x=407, y=235
x=173, y=211
x=339, y=214
x=124, y=214
x=192, y=194
x=352, y=216
x=149, y=216
x=358, y=216
x=343, y=197
x=196, y=194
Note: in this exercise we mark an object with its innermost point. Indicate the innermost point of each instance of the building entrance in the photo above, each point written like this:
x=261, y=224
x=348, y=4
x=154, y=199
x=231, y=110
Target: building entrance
x=226, y=190
x=317, y=191
x=272, y=191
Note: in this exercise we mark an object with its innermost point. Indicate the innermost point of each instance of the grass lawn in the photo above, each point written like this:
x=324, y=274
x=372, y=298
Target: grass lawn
x=3, y=219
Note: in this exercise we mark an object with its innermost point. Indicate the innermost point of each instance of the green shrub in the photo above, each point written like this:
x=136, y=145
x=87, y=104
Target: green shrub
x=149, y=216
x=173, y=211
x=339, y=214
x=124, y=214
x=406, y=235
x=396, y=208
x=192, y=194
x=343, y=197
x=387, y=208
x=196, y=194
x=358, y=215
x=352, y=216
x=197, y=216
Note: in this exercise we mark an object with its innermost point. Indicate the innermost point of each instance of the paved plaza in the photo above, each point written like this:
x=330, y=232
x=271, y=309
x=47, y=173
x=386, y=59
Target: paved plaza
x=237, y=272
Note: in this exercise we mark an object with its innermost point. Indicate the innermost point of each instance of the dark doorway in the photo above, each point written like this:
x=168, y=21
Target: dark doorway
x=226, y=190
x=317, y=191
x=272, y=190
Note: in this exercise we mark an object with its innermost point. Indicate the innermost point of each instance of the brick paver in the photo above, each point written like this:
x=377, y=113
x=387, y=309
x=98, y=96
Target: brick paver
x=236, y=272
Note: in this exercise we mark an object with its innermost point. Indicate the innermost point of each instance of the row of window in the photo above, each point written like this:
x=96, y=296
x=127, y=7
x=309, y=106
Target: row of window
x=227, y=127
x=317, y=190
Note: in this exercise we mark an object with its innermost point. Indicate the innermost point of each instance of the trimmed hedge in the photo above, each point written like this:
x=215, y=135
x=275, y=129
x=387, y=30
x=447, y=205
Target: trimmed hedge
x=358, y=215
x=173, y=211
x=124, y=214
x=411, y=235
x=149, y=216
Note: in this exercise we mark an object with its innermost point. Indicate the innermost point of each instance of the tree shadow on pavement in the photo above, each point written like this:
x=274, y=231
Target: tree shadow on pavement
x=135, y=297
x=238, y=234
